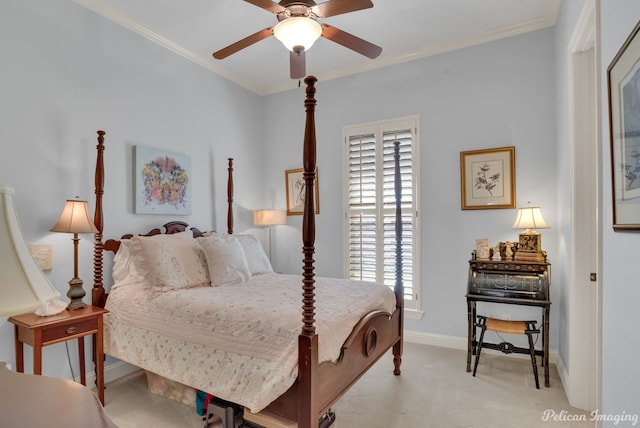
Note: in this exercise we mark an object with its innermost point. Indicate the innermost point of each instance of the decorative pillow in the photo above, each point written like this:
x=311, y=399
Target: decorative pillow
x=129, y=266
x=225, y=259
x=256, y=257
x=174, y=261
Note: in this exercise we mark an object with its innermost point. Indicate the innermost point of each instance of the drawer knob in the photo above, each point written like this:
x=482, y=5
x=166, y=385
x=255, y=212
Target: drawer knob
x=71, y=330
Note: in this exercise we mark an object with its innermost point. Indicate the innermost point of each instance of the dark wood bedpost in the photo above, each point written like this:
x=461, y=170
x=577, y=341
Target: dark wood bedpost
x=97, y=293
x=230, y=197
x=399, y=285
x=308, y=339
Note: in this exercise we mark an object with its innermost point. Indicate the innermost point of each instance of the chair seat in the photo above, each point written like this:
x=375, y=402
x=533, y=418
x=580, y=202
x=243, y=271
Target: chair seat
x=510, y=327
x=506, y=326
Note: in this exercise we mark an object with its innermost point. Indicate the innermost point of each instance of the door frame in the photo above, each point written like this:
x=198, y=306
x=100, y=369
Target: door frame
x=583, y=383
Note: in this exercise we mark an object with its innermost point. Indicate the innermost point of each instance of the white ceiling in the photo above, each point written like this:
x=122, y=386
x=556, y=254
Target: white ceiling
x=405, y=29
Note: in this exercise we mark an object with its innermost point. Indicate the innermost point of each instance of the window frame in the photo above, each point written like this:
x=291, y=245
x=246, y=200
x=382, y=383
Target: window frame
x=378, y=129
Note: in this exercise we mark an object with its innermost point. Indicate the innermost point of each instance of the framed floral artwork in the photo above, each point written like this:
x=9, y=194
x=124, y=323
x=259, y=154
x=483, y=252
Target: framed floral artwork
x=488, y=178
x=623, y=81
x=162, y=182
x=294, y=182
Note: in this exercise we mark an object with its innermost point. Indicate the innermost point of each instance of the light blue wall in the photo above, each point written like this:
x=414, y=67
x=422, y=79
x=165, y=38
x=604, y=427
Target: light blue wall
x=620, y=328
x=97, y=75
x=493, y=95
x=567, y=17
x=66, y=73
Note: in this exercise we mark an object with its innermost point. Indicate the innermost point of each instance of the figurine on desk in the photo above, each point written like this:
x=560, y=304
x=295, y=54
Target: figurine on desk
x=496, y=254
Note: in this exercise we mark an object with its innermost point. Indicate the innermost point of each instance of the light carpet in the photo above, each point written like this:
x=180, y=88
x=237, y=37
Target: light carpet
x=434, y=390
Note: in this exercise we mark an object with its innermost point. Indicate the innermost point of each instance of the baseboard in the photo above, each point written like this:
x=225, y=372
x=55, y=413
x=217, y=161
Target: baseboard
x=563, y=373
x=451, y=342
x=112, y=372
x=460, y=343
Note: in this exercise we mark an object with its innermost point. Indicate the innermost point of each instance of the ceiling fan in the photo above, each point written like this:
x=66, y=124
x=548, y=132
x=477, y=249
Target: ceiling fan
x=298, y=29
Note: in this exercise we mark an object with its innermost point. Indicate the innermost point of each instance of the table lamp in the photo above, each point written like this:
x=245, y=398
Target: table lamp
x=530, y=241
x=75, y=219
x=23, y=286
x=269, y=218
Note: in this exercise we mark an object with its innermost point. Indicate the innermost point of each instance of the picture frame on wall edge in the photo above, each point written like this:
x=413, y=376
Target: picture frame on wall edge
x=623, y=87
x=295, y=191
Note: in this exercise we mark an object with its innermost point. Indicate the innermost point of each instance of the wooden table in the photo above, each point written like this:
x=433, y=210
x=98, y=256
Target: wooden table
x=39, y=331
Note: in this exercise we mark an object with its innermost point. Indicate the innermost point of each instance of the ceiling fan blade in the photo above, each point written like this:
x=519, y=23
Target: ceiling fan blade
x=267, y=5
x=241, y=44
x=338, y=7
x=350, y=41
x=297, y=64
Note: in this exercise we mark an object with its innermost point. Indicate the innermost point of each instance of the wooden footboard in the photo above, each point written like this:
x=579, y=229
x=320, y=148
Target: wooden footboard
x=371, y=338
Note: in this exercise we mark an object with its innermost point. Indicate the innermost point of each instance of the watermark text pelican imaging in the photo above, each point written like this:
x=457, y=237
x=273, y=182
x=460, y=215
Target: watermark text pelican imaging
x=565, y=416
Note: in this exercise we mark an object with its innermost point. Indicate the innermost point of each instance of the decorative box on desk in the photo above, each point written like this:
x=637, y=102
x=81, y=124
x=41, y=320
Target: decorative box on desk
x=513, y=283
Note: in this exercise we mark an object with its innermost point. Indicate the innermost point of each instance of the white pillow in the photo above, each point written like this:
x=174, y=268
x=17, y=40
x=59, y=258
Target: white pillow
x=129, y=266
x=225, y=259
x=174, y=261
x=256, y=257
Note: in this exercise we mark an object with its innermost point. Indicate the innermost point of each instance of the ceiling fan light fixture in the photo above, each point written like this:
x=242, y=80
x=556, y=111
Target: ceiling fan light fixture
x=297, y=31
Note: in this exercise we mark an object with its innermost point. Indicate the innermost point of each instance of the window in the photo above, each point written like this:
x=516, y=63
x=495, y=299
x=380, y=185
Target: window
x=369, y=204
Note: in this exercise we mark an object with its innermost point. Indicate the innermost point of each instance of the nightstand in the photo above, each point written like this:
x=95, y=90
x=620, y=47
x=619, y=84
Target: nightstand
x=40, y=331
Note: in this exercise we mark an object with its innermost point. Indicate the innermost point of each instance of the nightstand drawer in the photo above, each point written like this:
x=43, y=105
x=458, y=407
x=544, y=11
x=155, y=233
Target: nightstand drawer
x=62, y=331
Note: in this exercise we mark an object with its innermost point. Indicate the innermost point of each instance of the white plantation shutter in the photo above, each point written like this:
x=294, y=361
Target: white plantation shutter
x=370, y=204
x=362, y=208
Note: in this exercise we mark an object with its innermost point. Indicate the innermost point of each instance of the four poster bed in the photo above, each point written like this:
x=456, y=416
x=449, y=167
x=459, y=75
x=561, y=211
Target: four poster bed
x=237, y=335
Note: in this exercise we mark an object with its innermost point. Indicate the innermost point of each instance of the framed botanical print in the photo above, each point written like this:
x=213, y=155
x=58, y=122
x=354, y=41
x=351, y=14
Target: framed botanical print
x=488, y=178
x=294, y=182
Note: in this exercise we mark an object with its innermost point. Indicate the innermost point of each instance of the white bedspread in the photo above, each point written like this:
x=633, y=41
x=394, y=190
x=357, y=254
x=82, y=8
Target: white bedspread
x=238, y=342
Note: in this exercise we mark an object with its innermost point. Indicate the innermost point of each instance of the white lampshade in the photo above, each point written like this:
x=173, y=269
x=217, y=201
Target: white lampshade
x=297, y=31
x=530, y=217
x=23, y=286
x=269, y=217
x=75, y=218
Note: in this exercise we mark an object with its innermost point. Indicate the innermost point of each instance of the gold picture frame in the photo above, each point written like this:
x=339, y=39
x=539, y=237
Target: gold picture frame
x=294, y=183
x=488, y=178
x=623, y=80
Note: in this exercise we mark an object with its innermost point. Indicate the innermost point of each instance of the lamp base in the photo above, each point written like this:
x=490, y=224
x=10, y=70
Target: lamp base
x=75, y=294
x=529, y=256
x=530, y=247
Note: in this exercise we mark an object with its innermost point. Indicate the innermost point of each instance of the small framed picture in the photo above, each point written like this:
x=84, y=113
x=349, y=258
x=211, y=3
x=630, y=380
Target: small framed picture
x=294, y=181
x=488, y=178
x=482, y=249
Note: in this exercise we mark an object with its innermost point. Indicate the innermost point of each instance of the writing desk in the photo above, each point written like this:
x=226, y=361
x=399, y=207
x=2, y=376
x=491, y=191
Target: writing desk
x=511, y=283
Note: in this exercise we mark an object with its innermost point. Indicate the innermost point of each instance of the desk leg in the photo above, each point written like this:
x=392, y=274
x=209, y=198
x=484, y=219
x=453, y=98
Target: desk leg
x=545, y=344
x=19, y=351
x=98, y=341
x=83, y=374
x=471, y=331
